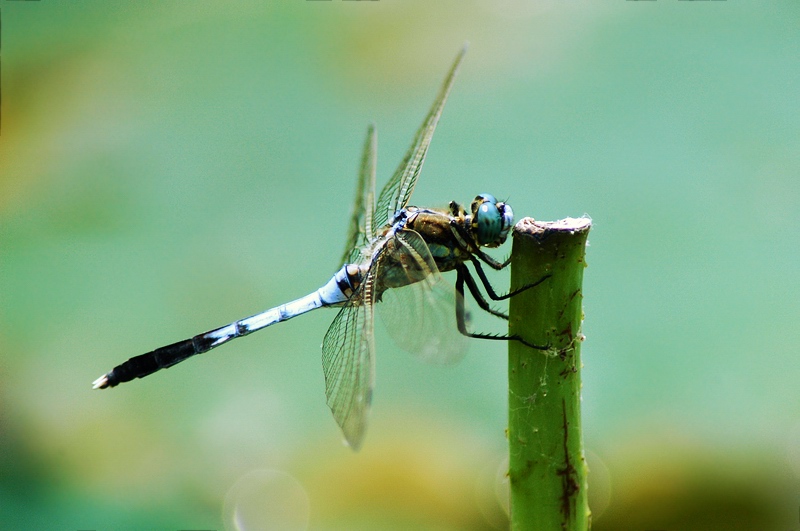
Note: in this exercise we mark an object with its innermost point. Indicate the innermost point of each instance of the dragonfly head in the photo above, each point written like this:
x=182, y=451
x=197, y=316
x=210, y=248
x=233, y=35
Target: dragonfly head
x=491, y=220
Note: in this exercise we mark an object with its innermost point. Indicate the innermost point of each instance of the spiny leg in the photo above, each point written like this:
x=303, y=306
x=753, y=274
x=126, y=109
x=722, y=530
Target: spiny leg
x=461, y=319
x=490, y=290
x=463, y=235
x=466, y=276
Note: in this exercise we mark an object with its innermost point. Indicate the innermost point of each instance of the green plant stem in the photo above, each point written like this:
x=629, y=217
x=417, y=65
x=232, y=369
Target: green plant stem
x=547, y=469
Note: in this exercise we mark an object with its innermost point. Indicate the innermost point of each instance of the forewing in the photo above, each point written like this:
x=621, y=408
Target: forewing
x=397, y=191
x=361, y=228
x=421, y=316
x=348, y=362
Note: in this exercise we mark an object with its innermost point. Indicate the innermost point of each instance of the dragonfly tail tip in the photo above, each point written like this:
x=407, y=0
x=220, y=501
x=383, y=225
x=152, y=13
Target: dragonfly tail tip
x=100, y=383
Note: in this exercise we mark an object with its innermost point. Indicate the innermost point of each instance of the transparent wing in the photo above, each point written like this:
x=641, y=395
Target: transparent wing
x=348, y=362
x=421, y=316
x=361, y=229
x=397, y=191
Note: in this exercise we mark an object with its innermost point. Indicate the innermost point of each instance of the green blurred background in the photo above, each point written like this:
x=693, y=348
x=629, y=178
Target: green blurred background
x=168, y=167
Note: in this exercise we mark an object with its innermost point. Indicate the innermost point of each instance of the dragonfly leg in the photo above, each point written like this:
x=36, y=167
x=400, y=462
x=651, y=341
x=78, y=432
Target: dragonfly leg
x=491, y=262
x=463, y=236
x=490, y=290
x=461, y=318
x=467, y=277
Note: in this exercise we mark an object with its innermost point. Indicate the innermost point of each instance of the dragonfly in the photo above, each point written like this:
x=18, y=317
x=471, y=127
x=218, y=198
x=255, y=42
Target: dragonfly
x=395, y=255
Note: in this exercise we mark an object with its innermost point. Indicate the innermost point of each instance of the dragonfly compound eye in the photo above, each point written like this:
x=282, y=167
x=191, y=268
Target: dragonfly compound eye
x=490, y=222
x=508, y=220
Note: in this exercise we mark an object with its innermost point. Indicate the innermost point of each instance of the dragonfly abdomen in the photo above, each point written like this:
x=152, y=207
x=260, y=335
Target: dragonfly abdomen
x=160, y=358
x=335, y=292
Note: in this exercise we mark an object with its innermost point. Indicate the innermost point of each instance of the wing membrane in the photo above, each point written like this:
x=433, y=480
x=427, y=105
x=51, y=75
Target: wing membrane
x=361, y=229
x=397, y=191
x=348, y=362
x=421, y=316
x=348, y=351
